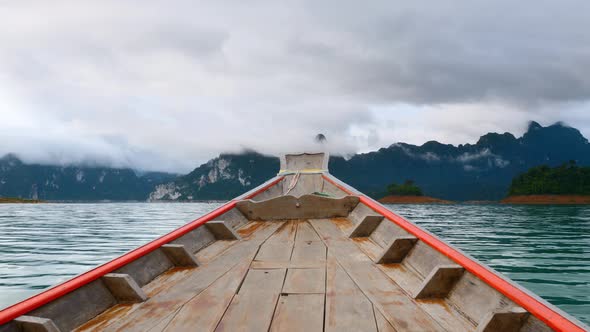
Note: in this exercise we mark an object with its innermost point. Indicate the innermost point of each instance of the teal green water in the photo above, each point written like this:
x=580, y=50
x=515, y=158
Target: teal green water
x=544, y=248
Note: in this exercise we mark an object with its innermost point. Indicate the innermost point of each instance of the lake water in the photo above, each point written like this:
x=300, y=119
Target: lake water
x=544, y=248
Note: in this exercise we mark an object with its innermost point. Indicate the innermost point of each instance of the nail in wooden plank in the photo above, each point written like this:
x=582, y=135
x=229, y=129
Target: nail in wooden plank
x=179, y=255
x=506, y=320
x=222, y=231
x=440, y=281
x=124, y=288
x=35, y=324
x=366, y=226
x=396, y=250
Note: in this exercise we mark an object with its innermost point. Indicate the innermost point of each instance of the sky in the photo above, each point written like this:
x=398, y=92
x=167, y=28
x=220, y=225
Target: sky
x=168, y=85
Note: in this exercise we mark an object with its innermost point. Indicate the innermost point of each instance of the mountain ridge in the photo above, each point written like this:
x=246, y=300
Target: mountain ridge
x=480, y=171
x=75, y=183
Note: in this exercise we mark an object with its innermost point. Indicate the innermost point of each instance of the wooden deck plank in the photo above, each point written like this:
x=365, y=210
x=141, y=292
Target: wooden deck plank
x=396, y=306
x=305, y=281
x=275, y=252
x=403, y=275
x=287, y=265
x=205, y=310
x=305, y=233
x=263, y=281
x=382, y=323
x=161, y=326
x=309, y=251
x=447, y=316
x=279, y=246
x=157, y=308
x=369, y=247
x=344, y=224
x=253, y=307
x=299, y=312
x=247, y=230
x=166, y=280
x=285, y=233
x=106, y=318
x=347, y=308
x=213, y=250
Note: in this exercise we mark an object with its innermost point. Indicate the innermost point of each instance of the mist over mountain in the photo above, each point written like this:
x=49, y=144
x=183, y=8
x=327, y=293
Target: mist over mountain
x=75, y=183
x=480, y=171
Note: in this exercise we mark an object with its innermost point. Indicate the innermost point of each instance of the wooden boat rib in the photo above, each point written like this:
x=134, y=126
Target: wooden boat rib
x=301, y=252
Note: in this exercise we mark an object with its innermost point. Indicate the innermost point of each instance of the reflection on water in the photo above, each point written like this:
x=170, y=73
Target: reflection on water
x=544, y=248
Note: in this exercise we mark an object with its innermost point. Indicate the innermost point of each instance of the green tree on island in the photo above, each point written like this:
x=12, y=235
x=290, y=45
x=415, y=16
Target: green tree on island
x=408, y=188
x=567, y=179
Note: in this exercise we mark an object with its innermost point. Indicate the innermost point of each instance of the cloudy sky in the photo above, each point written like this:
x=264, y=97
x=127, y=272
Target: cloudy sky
x=166, y=85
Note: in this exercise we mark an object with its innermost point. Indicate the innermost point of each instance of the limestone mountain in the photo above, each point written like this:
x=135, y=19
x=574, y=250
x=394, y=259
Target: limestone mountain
x=224, y=177
x=76, y=183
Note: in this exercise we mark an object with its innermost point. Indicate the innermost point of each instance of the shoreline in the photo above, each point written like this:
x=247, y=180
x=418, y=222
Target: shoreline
x=12, y=200
x=392, y=199
x=547, y=200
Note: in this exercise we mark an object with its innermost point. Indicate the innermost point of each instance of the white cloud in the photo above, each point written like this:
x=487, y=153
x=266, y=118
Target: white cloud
x=168, y=85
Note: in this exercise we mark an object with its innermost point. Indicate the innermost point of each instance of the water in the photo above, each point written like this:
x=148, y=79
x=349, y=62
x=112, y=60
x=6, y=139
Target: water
x=544, y=248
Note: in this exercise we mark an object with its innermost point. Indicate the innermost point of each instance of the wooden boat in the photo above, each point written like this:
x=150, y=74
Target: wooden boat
x=302, y=252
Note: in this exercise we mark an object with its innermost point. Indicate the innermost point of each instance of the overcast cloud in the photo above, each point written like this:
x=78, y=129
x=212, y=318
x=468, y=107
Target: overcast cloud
x=167, y=85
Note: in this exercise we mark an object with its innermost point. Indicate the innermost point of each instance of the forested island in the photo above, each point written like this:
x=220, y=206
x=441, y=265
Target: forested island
x=406, y=193
x=565, y=184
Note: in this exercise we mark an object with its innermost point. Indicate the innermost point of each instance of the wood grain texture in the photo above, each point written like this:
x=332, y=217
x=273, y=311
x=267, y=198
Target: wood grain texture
x=306, y=233
x=446, y=315
x=401, y=311
x=252, y=309
x=213, y=250
x=204, y=311
x=347, y=308
x=309, y=251
x=305, y=281
x=382, y=323
x=299, y=312
x=157, y=308
x=287, y=265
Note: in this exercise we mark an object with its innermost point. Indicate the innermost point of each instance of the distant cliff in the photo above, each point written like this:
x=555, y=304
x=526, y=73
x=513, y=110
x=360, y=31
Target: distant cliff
x=44, y=182
x=481, y=171
x=224, y=177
